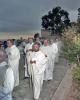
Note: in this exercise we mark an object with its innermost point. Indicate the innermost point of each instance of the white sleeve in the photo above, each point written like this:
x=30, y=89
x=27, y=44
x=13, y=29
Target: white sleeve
x=9, y=81
x=14, y=54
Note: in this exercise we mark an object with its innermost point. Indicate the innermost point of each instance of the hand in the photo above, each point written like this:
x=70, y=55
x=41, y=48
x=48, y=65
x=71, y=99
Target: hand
x=33, y=62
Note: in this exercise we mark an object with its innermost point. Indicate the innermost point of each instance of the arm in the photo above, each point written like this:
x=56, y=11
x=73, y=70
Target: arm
x=14, y=54
x=9, y=81
x=26, y=49
x=8, y=84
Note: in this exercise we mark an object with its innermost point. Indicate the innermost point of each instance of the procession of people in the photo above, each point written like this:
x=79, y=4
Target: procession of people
x=36, y=56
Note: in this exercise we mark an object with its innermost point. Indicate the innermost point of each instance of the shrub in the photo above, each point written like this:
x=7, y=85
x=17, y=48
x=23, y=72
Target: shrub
x=76, y=74
x=71, y=46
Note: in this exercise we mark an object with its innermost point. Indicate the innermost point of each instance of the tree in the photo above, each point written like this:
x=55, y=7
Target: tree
x=78, y=15
x=56, y=20
x=78, y=20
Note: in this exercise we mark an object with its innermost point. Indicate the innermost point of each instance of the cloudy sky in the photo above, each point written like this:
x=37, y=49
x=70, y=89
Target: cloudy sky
x=25, y=15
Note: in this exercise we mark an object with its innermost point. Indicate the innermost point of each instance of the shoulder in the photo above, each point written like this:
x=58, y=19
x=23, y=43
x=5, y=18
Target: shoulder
x=15, y=48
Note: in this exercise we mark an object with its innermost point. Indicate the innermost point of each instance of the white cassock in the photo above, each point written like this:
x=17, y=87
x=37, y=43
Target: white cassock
x=48, y=74
x=55, y=55
x=13, y=61
x=38, y=72
x=59, y=45
x=27, y=59
x=6, y=82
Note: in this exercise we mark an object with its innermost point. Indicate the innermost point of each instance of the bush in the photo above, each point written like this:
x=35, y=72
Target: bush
x=71, y=46
x=76, y=74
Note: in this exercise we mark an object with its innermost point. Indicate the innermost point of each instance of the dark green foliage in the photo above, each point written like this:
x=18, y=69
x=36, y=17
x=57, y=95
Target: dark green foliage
x=72, y=52
x=56, y=20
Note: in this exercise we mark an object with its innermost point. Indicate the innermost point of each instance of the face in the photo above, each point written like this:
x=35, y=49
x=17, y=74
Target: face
x=9, y=43
x=36, y=47
x=37, y=39
x=46, y=42
x=30, y=40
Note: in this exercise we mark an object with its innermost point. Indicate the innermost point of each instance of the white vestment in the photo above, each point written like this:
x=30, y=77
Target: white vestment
x=55, y=56
x=38, y=69
x=27, y=59
x=7, y=85
x=13, y=61
x=48, y=74
x=59, y=45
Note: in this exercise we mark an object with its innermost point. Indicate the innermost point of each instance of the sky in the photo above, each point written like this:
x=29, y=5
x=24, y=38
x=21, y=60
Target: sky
x=25, y=15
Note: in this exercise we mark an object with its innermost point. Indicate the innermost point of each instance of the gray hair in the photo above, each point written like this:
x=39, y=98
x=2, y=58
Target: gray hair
x=3, y=55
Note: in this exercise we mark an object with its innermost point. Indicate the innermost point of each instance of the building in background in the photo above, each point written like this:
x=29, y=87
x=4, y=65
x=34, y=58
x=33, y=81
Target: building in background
x=45, y=33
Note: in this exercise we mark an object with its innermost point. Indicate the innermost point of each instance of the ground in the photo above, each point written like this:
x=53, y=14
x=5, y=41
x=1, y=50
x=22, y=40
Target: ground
x=24, y=92
x=74, y=92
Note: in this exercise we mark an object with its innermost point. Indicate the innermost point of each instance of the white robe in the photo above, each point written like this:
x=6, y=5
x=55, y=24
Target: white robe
x=48, y=74
x=38, y=72
x=55, y=56
x=27, y=59
x=8, y=84
x=13, y=61
x=59, y=45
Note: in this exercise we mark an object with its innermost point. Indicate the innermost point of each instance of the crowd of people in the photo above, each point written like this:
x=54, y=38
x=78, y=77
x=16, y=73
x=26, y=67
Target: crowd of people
x=37, y=56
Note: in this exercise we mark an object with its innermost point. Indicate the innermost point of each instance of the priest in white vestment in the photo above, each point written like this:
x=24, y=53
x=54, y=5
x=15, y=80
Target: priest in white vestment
x=38, y=62
x=28, y=51
x=46, y=49
x=13, y=60
x=54, y=49
x=6, y=78
x=59, y=46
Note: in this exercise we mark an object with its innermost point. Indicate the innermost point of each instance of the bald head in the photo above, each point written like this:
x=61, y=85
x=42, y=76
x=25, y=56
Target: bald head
x=3, y=55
